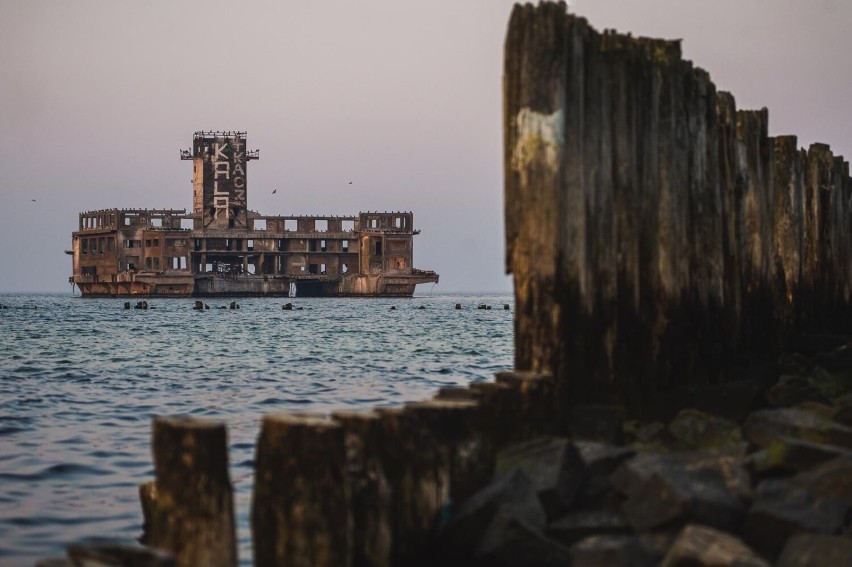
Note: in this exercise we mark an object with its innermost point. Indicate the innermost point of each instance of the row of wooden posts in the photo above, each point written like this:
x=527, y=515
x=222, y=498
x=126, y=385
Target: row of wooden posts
x=355, y=488
x=656, y=234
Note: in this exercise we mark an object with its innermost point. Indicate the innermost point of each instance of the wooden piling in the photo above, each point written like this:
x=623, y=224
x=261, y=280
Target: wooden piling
x=189, y=508
x=369, y=490
x=300, y=512
x=655, y=233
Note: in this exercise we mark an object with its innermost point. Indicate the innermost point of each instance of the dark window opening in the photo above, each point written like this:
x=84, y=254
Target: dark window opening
x=313, y=269
x=378, y=247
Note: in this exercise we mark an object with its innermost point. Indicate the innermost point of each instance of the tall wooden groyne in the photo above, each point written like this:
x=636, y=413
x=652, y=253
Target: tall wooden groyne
x=656, y=233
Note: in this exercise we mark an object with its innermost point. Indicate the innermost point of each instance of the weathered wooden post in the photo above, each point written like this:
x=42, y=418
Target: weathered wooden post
x=189, y=508
x=369, y=489
x=655, y=232
x=301, y=507
x=418, y=477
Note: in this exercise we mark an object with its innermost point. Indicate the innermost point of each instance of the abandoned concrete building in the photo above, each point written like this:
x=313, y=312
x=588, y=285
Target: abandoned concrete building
x=223, y=248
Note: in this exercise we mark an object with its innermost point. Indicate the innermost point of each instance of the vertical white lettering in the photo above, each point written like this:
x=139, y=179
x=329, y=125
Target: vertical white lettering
x=221, y=168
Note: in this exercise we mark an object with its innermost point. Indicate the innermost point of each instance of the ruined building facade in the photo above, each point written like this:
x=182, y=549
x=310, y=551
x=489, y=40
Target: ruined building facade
x=223, y=248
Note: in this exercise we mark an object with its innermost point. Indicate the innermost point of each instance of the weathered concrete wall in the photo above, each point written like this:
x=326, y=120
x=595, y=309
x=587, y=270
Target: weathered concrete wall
x=654, y=232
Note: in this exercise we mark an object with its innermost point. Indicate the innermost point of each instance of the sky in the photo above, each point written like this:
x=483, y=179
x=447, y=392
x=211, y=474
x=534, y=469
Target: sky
x=402, y=98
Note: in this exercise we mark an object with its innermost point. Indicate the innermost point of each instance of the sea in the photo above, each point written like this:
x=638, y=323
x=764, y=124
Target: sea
x=81, y=379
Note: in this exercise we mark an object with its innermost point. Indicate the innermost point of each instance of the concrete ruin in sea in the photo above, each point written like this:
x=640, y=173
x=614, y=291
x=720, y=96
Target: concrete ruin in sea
x=222, y=248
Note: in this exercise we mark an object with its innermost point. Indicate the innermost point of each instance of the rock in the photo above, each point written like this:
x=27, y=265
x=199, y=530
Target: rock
x=791, y=390
x=817, y=408
x=764, y=426
x=732, y=470
x=117, y=553
x=52, y=561
x=579, y=524
x=832, y=479
x=660, y=490
x=598, y=423
x=597, y=463
x=512, y=495
x=511, y=542
x=610, y=550
x=693, y=429
x=553, y=466
x=831, y=384
x=843, y=410
x=794, y=363
x=785, y=455
x=698, y=546
x=656, y=544
x=781, y=509
x=805, y=550
x=651, y=436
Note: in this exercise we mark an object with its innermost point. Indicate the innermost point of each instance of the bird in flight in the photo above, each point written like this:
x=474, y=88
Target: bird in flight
x=274, y=191
x=33, y=200
x=350, y=183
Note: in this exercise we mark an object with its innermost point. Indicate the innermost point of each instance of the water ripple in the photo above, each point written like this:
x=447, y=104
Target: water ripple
x=80, y=381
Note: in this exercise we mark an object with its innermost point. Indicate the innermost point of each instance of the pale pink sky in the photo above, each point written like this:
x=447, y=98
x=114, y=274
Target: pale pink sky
x=400, y=97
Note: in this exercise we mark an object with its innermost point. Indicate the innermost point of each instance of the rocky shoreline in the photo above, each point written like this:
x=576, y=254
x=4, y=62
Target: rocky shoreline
x=771, y=485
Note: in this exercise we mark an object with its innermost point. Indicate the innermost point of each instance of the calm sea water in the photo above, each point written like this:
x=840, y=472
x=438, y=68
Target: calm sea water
x=80, y=380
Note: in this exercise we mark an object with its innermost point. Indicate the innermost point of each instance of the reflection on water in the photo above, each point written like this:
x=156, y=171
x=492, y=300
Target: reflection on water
x=81, y=378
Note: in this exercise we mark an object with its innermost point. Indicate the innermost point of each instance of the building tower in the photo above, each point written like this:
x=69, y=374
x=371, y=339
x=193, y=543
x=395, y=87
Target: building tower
x=219, y=186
